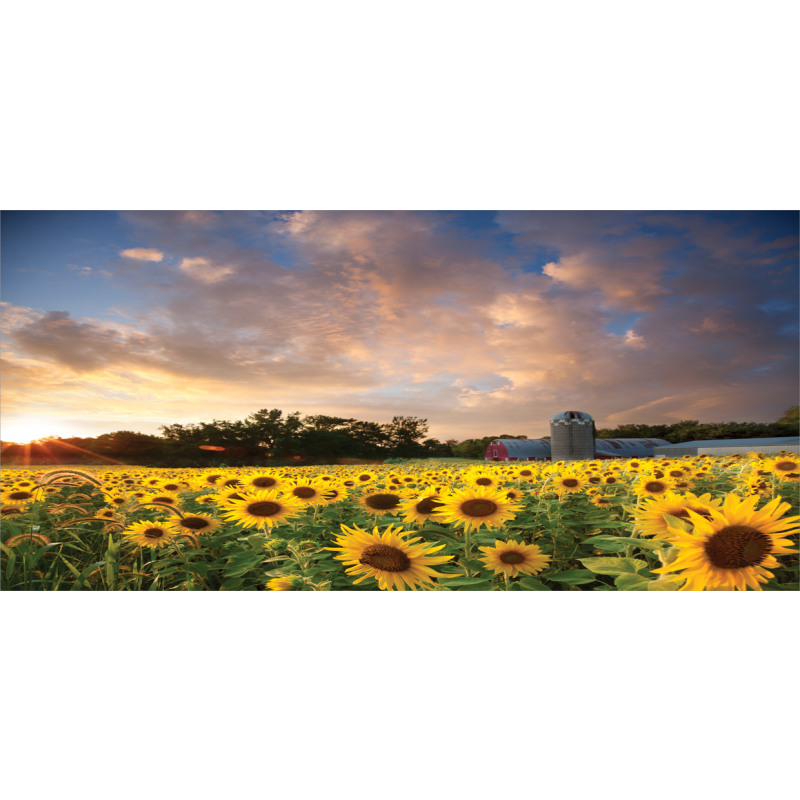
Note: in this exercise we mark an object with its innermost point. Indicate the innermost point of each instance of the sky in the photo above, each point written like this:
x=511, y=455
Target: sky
x=481, y=322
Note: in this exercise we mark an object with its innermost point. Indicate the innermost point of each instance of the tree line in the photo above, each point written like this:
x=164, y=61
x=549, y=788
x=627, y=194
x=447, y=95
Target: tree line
x=268, y=437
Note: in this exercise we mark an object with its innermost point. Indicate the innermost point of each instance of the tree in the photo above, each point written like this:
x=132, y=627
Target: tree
x=403, y=435
x=790, y=417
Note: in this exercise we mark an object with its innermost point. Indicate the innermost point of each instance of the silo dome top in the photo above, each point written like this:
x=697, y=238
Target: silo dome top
x=568, y=416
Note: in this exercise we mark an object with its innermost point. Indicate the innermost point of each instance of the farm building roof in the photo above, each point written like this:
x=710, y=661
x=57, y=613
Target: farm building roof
x=522, y=448
x=770, y=441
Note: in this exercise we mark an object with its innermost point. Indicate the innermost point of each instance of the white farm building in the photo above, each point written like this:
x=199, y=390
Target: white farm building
x=571, y=439
x=729, y=447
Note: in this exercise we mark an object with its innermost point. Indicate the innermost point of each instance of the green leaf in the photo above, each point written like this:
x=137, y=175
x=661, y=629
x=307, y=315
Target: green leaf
x=631, y=582
x=463, y=581
x=609, y=543
x=572, y=576
x=534, y=585
x=614, y=566
x=617, y=543
x=12, y=557
x=668, y=585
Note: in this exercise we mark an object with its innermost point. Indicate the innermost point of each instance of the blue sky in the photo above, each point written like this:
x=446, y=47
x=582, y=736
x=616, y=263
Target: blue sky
x=479, y=321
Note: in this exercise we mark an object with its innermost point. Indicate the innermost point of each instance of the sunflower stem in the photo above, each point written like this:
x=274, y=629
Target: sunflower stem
x=467, y=549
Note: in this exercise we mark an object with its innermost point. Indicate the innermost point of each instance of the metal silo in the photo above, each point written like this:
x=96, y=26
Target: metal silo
x=572, y=436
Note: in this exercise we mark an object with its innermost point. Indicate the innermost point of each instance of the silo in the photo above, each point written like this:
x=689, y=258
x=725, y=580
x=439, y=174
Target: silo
x=571, y=436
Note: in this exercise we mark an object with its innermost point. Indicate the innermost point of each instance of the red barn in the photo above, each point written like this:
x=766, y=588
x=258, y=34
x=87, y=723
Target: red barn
x=518, y=450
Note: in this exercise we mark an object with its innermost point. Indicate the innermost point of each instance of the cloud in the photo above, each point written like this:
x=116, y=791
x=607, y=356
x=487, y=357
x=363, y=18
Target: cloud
x=631, y=317
x=204, y=270
x=143, y=254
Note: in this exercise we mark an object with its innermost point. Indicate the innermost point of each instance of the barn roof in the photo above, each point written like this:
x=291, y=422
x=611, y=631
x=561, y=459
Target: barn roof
x=525, y=447
x=628, y=444
x=754, y=443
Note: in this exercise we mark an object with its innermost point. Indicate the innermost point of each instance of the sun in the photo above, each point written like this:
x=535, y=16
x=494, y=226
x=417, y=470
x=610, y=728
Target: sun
x=26, y=430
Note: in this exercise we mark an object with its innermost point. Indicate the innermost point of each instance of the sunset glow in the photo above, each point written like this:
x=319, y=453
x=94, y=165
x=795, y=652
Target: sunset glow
x=480, y=322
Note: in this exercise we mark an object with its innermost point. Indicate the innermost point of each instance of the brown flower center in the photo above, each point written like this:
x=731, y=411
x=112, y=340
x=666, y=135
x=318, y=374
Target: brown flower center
x=194, y=523
x=737, y=546
x=570, y=483
x=427, y=505
x=382, y=502
x=384, y=557
x=170, y=501
x=526, y=472
x=304, y=492
x=172, y=487
x=484, y=481
x=512, y=557
x=654, y=486
x=478, y=508
x=611, y=480
x=365, y=477
x=19, y=495
x=786, y=466
x=232, y=482
x=154, y=533
x=263, y=508
x=263, y=481
x=683, y=513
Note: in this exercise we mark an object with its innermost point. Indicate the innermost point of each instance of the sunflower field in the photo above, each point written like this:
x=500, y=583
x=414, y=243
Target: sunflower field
x=704, y=523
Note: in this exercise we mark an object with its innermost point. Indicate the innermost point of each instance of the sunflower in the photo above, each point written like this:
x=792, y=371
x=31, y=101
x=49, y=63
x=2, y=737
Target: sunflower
x=210, y=478
x=381, y=501
x=785, y=467
x=17, y=497
x=476, y=506
x=264, y=507
x=388, y=557
x=483, y=479
x=568, y=483
x=735, y=548
x=162, y=499
x=282, y=584
x=262, y=480
x=365, y=476
x=417, y=510
x=116, y=498
x=230, y=495
x=173, y=486
x=197, y=523
x=603, y=500
x=308, y=492
x=756, y=484
x=334, y=493
x=151, y=534
x=513, y=558
x=652, y=486
x=650, y=515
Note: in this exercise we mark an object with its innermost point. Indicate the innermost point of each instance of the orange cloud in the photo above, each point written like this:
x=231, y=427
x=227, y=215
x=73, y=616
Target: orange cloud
x=143, y=254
